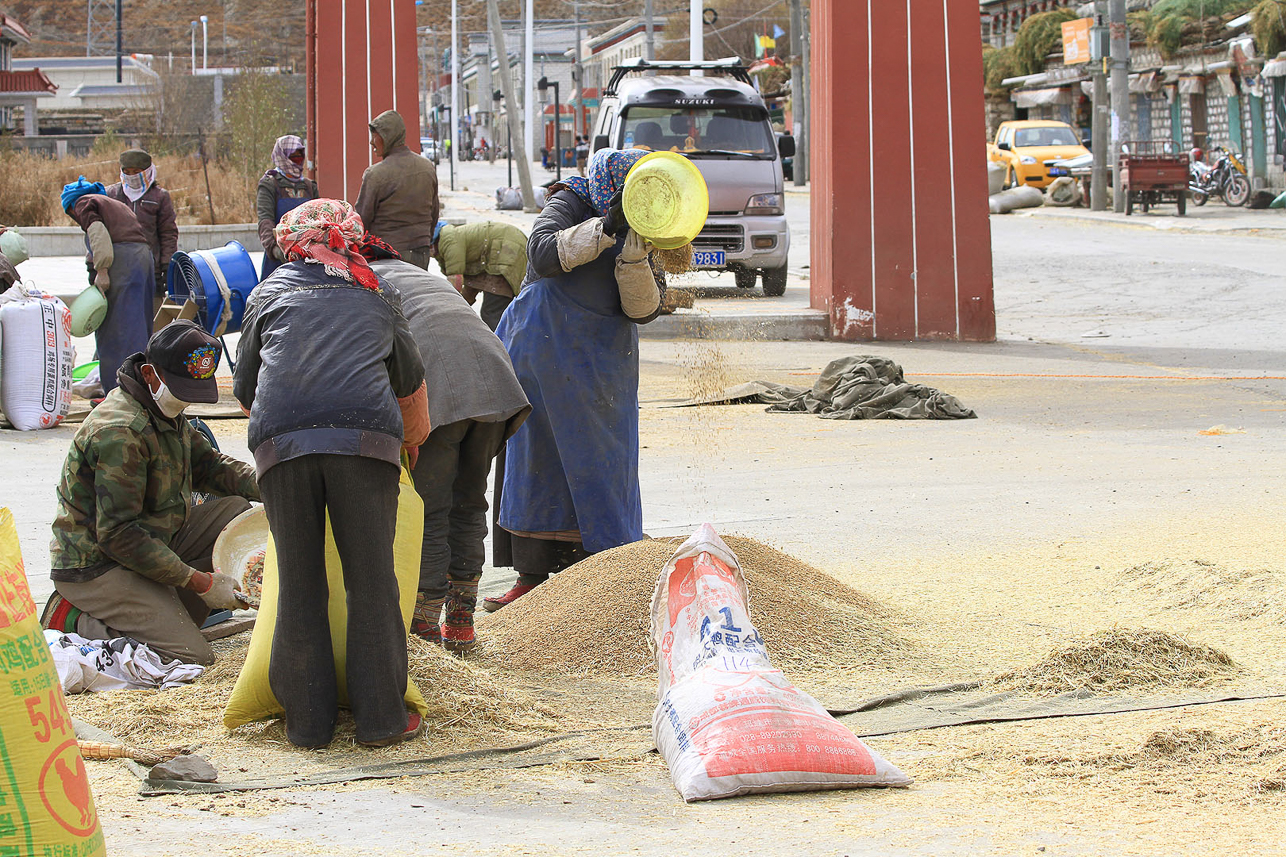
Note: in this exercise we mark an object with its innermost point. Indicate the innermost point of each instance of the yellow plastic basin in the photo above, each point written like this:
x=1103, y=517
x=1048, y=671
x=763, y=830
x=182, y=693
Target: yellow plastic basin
x=666, y=199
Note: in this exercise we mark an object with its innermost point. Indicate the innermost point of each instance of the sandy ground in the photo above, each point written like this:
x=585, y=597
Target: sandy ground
x=994, y=539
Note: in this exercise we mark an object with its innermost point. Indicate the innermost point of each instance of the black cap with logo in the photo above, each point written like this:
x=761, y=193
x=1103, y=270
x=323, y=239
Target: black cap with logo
x=186, y=358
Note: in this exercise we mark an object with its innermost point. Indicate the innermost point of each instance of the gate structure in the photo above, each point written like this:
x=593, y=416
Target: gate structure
x=361, y=58
x=901, y=243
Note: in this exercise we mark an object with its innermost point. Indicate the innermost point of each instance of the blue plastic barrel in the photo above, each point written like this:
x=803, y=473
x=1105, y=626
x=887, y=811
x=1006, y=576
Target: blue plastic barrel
x=196, y=275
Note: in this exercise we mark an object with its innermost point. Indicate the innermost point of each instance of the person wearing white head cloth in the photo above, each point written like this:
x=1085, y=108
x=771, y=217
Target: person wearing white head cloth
x=154, y=209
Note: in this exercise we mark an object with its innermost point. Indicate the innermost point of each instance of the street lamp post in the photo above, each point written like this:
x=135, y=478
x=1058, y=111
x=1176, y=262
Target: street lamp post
x=205, y=42
x=543, y=84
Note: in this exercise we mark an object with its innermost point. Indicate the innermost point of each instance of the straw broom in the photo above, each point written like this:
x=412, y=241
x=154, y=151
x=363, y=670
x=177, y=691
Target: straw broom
x=101, y=751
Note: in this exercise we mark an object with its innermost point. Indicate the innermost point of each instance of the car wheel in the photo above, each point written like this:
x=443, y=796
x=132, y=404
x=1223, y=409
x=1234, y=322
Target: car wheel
x=775, y=282
x=1129, y=203
x=1011, y=180
x=1183, y=203
x=745, y=278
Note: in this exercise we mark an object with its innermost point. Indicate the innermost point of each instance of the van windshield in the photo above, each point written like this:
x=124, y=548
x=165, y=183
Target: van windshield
x=694, y=131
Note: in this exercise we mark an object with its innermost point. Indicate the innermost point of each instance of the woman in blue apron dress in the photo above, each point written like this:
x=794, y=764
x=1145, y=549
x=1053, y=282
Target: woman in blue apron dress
x=282, y=188
x=571, y=484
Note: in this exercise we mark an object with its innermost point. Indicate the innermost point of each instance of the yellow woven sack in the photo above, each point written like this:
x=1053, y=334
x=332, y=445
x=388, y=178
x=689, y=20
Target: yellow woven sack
x=46, y=806
x=252, y=699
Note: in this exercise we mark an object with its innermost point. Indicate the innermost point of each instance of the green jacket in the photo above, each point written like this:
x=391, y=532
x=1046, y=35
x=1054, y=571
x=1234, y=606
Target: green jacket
x=486, y=247
x=126, y=488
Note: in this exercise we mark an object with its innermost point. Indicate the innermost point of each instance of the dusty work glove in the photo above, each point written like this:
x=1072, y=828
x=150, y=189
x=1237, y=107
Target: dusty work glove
x=277, y=254
x=635, y=249
x=614, y=222
x=102, y=281
x=220, y=591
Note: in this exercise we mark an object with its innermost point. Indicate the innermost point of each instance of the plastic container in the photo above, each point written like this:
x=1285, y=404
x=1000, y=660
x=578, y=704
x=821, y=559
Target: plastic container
x=666, y=199
x=198, y=275
x=87, y=311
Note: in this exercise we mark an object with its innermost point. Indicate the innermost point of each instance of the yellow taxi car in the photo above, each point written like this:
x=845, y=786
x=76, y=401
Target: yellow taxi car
x=1026, y=148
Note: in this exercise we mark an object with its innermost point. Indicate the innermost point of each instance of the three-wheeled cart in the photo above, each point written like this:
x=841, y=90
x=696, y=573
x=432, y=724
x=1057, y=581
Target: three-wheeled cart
x=1153, y=172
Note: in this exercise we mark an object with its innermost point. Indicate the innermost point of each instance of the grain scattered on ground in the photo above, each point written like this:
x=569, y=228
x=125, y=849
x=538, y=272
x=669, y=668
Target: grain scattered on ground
x=595, y=617
x=1120, y=659
x=1235, y=593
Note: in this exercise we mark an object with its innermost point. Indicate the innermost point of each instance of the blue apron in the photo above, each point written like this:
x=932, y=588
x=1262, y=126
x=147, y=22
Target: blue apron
x=284, y=204
x=128, y=323
x=574, y=464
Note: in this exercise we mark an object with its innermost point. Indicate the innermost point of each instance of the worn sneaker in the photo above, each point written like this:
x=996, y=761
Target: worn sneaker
x=414, y=725
x=491, y=605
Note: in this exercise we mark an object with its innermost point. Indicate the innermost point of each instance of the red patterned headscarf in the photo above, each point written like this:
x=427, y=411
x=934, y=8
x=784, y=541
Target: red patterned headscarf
x=327, y=231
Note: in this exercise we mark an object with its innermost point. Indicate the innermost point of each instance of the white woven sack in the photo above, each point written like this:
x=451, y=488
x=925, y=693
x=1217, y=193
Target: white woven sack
x=38, y=356
x=727, y=723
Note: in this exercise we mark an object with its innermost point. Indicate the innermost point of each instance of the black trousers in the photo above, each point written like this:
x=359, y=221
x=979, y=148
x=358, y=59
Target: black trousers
x=493, y=307
x=451, y=478
x=361, y=496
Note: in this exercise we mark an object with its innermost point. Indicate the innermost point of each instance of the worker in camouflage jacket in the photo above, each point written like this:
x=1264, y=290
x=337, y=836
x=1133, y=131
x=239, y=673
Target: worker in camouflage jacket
x=131, y=555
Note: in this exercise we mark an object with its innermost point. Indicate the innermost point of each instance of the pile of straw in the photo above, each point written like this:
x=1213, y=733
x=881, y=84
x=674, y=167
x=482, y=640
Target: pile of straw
x=1120, y=659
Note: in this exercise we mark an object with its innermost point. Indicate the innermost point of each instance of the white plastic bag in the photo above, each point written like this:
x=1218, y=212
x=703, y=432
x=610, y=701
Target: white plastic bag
x=38, y=356
x=727, y=723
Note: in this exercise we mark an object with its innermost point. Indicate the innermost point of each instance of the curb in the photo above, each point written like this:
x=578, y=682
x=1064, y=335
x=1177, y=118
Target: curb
x=1170, y=224
x=803, y=326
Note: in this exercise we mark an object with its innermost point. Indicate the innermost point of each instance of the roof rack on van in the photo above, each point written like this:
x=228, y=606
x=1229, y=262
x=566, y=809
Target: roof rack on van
x=730, y=66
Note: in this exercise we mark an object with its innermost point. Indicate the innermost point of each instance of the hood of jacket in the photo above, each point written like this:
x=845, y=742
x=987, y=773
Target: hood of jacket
x=391, y=128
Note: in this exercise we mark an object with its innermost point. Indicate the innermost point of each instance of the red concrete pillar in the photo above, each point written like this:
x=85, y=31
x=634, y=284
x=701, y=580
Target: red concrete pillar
x=901, y=243
x=363, y=61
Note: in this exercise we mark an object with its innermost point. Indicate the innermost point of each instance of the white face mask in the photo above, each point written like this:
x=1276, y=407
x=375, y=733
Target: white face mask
x=169, y=404
x=134, y=182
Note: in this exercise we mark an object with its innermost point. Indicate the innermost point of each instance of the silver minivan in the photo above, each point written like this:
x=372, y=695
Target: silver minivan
x=718, y=121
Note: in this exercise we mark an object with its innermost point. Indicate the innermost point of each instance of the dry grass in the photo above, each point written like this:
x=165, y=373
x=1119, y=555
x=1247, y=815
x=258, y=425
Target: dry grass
x=595, y=617
x=32, y=185
x=1120, y=659
x=1238, y=594
x=466, y=705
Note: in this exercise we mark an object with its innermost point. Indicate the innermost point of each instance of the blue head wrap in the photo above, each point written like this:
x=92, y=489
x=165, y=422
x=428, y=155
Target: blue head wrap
x=80, y=187
x=437, y=230
x=604, y=176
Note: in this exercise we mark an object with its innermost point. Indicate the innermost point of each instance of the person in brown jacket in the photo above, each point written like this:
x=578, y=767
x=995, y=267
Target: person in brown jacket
x=152, y=206
x=398, y=200
x=123, y=271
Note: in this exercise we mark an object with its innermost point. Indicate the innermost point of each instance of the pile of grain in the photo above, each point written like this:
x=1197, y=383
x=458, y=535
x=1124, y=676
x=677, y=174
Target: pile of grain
x=463, y=701
x=1120, y=659
x=1239, y=594
x=595, y=616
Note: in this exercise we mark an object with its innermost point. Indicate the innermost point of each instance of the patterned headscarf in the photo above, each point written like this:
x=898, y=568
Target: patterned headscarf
x=281, y=151
x=327, y=231
x=604, y=176
x=374, y=249
x=137, y=185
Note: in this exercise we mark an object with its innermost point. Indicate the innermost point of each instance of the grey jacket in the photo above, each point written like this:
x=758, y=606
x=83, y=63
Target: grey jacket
x=467, y=371
x=320, y=366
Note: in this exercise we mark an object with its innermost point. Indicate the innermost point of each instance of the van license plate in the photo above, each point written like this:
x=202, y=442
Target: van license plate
x=709, y=258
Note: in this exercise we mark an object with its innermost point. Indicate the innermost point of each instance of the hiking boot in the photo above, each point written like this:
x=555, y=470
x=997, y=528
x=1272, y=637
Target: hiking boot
x=491, y=605
x=457, y=630
x=59, y=615
x=414, y=724
x=424, y=621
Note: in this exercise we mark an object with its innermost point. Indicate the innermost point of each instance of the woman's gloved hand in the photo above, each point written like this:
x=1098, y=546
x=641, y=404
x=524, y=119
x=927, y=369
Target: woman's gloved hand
x=614, y=222
x=636, y=248
x=277, y=254
x=102, y=281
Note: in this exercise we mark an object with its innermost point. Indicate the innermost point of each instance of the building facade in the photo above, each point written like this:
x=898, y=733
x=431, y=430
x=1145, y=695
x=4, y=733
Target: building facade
x=23, y=86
